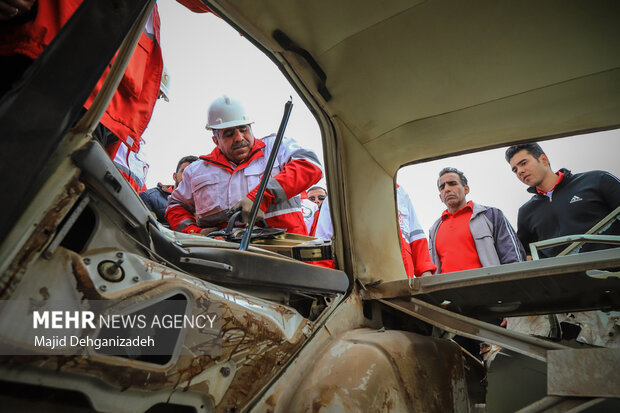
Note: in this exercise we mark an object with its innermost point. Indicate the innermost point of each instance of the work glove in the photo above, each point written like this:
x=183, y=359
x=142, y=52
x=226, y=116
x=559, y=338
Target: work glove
x=246, y=209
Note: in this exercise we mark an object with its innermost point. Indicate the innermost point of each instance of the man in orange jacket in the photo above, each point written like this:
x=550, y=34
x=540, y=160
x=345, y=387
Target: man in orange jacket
x=27, y=27
x=228, y=177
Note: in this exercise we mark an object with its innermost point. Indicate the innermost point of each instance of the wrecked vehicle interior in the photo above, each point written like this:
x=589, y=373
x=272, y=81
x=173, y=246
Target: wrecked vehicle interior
x=390, y=84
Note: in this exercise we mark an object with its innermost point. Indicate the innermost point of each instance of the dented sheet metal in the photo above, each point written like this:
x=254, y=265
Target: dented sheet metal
x=42, y=234
x=472, y=328
x=347, y=368
x=553, y=285
x=257, y=336
x=596, y=328
x=584, y=372
x=384, y=371
x=278, y=398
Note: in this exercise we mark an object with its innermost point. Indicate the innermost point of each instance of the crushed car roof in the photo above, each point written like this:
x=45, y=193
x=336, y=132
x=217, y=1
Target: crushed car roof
x=417, y=79
x=399, y=82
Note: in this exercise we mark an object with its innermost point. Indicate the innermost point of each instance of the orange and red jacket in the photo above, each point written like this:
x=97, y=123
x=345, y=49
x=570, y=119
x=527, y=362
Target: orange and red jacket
x=416, y=251
x=413, y=243
x=132, y=105
x=211, y=186
x=132, y=166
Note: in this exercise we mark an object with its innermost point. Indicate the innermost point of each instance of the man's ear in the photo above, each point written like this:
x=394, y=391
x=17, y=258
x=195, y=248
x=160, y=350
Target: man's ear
x=214, y=139
x=466, y=187
x=544, y=159
x=174, y=177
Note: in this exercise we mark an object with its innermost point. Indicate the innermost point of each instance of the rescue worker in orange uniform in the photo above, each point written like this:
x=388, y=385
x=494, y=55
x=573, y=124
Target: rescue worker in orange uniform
x=27, y=27
x=413, y=243
x=228, y=178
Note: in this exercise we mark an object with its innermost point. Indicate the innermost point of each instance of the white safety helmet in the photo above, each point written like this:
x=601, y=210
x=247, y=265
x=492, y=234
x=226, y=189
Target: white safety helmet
x=225, y=112
x=164, y=85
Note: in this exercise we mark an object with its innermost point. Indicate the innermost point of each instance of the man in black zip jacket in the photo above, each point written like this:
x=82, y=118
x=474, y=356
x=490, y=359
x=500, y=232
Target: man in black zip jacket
x=563, y=203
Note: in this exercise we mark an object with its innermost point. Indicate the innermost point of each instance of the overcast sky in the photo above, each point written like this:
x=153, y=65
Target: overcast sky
x=206, y=59
x=492, y=183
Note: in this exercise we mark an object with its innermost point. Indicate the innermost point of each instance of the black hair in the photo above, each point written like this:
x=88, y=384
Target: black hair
x=533, y=149
x=448, y=170
x=317, y=187
x=188, y=158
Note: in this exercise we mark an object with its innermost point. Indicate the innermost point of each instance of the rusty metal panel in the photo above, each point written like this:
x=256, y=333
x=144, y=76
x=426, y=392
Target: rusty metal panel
x=553, y=285
x=382, y=371
x=472, y=328
x=258, y=337
x=278, y=398
x=44, y=230
x=583, y=372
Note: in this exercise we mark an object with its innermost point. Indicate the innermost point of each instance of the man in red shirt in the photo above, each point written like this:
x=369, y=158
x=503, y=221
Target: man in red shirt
x=469, y=235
